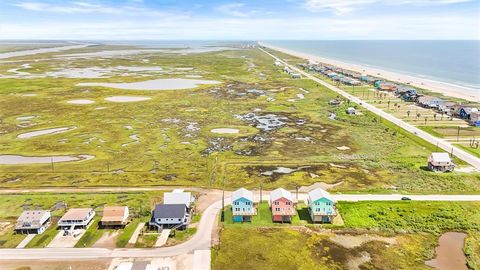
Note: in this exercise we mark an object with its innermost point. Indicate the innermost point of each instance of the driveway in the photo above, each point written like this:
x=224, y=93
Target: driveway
x=66, y=241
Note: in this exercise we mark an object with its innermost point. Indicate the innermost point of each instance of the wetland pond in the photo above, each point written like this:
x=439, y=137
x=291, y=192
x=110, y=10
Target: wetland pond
x=44, y=132
x=158, y=84
x=126, y=98
x=449, y=252
x=225, y=130
x=17, y=159
x=81, y=101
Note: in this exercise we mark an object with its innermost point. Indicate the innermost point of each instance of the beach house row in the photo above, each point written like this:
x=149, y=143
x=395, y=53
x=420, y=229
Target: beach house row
x=291, y=72
x=321, y=206
x=37, y=221
x=405, y=92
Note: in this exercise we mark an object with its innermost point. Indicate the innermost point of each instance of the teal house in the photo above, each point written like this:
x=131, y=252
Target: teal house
x=242, y=205
x=321, y=206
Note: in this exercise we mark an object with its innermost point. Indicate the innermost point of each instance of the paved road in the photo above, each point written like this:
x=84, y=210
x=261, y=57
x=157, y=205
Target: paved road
x=202, y=239
x=448, y=147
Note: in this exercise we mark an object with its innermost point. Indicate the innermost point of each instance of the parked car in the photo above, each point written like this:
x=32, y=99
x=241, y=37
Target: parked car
x=406, y=199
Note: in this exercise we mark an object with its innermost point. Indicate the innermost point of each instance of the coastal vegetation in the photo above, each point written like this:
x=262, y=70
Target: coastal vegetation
x=291, y=248
x=168, y=139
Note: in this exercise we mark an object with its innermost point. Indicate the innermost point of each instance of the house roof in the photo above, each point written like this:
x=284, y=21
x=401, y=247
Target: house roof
x=114, y=213
x=280, y=193
x=76, y=214
x=34, y=218
x=177, y=197
x=169, y=211
x=242, y=193
x=441, y=157
x=319, y=193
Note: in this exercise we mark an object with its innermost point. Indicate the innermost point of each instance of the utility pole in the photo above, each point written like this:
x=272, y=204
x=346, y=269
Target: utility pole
x=222, y=217
x=260, y=193
x=223, y=195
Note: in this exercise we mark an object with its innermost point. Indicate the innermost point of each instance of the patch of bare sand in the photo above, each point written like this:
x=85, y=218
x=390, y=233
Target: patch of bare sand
x=353, y=241
x=54, y=265
x=107, y=240
x=356, y=262
x=4, y=225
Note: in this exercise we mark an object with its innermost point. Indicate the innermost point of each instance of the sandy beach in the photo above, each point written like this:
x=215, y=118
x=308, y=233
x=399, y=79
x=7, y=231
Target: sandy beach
x=446, y=89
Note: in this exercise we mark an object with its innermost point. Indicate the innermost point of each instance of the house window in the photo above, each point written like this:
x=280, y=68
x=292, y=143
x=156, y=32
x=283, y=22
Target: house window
x=276, y=203
x=237, y=209
x=288, y=203
x=277, y=209
x=236, y=203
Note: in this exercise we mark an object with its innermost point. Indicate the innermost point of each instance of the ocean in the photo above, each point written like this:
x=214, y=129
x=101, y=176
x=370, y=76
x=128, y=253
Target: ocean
x=454, y=62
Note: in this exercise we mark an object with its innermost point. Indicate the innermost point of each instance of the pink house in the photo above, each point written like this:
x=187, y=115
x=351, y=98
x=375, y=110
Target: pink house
x=282, y=205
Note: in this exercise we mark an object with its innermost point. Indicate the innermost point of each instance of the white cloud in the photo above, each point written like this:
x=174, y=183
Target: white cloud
x=340, y=7
x=337, y=6
x=87, y=7
x=387, y=27
x=235, y=10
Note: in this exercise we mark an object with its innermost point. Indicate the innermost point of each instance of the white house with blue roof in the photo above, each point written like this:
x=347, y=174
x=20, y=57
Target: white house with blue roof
x=242, y=205
x=321, y=206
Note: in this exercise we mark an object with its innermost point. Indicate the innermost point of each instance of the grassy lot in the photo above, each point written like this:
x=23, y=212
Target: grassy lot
x=146, y=240
x=472, y=250
x=474, y=151
x=8, y=238
x=171, y=152
x=282, y=248
x=181, y=236
x=42, y=240
x=92, y=234
x=412, y=216
x=127, y=232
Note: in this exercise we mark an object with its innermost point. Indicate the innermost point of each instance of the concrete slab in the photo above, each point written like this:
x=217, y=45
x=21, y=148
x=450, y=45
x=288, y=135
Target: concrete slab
x=69, y=240
x=135, y=234
x=201, y=259
x=162, y=240
x=25, y=241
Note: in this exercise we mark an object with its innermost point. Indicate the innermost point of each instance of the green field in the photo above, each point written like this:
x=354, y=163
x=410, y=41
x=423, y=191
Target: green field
x=282, y=248
x=176, y=145
x=412, y=216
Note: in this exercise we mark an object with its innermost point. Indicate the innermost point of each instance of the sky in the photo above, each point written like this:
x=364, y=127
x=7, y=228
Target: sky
x=240, y=20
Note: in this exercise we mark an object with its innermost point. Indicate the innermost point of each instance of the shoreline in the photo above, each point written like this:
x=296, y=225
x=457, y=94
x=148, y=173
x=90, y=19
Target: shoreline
x=447, y=89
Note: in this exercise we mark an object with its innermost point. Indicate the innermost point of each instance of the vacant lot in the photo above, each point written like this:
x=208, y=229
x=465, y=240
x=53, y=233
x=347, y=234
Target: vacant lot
x=282, y=248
